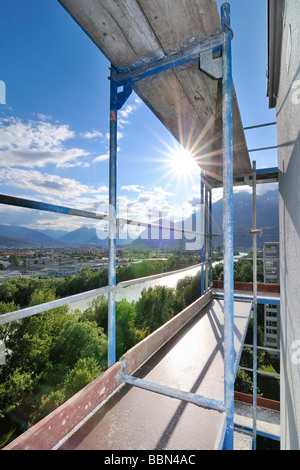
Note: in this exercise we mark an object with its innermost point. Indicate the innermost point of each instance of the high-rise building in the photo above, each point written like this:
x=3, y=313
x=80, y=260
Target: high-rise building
x=272, y=312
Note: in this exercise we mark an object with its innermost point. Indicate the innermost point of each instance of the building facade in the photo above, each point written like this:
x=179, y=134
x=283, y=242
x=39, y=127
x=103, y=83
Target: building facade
x=284, y=95
x=272, y=312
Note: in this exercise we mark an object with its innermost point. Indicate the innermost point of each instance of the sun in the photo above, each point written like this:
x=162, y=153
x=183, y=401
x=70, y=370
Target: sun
x=182, y=163
x=176, y=164
x=180, y=166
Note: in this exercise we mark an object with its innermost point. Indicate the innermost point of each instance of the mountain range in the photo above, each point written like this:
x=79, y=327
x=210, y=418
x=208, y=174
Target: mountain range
x=267, y=220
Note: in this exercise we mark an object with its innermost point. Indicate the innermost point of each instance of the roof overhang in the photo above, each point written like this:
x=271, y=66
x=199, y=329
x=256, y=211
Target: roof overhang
x=138, y=33
x=275, y=29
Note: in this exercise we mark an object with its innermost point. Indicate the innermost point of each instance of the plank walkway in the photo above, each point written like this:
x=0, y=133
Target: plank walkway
x=192, y=361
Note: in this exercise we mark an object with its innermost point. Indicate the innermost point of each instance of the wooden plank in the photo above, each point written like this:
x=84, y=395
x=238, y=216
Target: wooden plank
x=118, y=27
x=49, y=431
x=186, y=101
x=192, y=361
x=168, y=100
x=248, y=286
x=178, y=22
x=137, y=355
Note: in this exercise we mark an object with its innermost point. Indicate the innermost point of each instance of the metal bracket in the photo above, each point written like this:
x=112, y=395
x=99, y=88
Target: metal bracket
x=122, y=96
x=212, y=66
x=255, y=231
x=248, y=181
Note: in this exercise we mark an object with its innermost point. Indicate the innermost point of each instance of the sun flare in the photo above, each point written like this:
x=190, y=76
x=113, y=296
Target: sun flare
x=180, y=166
x=182, y=163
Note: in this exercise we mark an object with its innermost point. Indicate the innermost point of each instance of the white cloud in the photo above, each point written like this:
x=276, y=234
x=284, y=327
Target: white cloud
x=33, y=134
x=31, y=158
x=152, y=203
x=124, y=113
x=44, y=117
x=36, y=144
x=58, y=190
x=101, y=158
x=92, y=134
x=132, y=187
x=123, y=117
x=72, y=165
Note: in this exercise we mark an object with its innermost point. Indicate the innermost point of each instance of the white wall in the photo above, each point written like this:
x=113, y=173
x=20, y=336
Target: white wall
x=288, y=119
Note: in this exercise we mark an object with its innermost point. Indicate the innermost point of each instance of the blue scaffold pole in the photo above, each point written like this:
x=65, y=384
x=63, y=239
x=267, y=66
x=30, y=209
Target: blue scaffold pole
x=228, y=228
x=202, y=249
x=254, y=311
x=112, y=221
x=210, y=238
x=117, y=100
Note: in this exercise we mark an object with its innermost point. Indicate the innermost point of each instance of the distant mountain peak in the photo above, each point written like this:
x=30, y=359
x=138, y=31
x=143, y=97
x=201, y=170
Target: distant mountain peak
x=267, y=219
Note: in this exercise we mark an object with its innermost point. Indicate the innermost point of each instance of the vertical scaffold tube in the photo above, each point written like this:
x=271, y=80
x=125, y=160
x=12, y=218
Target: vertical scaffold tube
x=210, y=239
x=202, y=218
x=254, y=309
x=228, y=228
x=112, y=222
x=206, y=238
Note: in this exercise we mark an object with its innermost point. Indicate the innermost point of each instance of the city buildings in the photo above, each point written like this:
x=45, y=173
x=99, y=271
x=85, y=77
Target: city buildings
x=272, y=312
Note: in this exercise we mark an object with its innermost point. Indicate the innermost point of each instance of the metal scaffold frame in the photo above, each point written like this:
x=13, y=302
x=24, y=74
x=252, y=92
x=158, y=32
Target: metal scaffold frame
x=217, y=68
x=121, y=87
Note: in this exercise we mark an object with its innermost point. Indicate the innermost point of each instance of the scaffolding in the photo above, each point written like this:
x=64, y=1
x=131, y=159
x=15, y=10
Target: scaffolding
x=121, y=86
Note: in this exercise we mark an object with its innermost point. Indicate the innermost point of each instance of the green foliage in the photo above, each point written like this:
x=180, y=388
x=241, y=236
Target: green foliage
x=39, y=296
x=53, y=355
x=188, y=290
x=6, y=329
x=155, y=307
x=126, y=333
x=13, y=389
x=97, y=311
x=84, y=371
x=14, y=260
x=243, y=382
x=49, y=403
x=243, y=271
x=77, y=340
x=218, y=273
x=30, y=340
x=20, y=290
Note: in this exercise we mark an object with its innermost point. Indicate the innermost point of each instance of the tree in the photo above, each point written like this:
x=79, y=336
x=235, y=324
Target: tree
x=126, y=334
x=12, y=390
x=97, y=311
x=188, y=290
x=6, y=329
x=243, y=383
x=218, y=272
x=79, y=339
x=155, y=307
x=14, y=260
x=29, y=340
x=84, y=371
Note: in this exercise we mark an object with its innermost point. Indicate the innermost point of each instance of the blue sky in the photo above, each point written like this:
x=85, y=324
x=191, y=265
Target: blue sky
x=54, y=126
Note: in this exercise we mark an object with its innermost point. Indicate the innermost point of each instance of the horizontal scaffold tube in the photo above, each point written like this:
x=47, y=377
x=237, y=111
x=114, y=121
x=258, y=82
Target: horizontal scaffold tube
x=41, y=206
x=45, y=307
x=174, y=393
